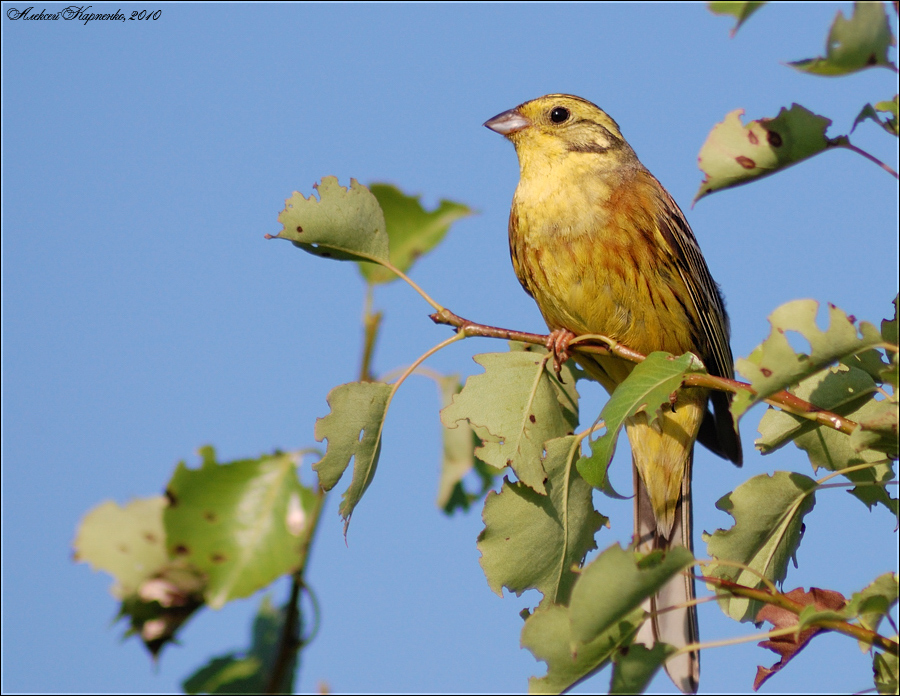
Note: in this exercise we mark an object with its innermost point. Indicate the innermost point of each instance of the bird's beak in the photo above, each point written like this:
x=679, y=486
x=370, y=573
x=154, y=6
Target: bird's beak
x=508, y=122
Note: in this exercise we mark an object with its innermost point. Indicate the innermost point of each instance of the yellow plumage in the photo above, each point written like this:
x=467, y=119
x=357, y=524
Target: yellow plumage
x=603, y=249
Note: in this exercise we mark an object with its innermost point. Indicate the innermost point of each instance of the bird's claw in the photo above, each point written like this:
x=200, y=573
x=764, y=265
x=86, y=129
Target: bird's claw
x=558, y=345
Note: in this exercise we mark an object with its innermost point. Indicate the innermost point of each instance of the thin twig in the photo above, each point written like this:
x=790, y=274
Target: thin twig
x=605, y=346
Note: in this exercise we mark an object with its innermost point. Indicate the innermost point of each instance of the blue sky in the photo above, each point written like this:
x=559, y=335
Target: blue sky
x=144, y=314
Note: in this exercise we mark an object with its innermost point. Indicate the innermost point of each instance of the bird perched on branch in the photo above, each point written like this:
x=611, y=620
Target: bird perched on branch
x=604, y=249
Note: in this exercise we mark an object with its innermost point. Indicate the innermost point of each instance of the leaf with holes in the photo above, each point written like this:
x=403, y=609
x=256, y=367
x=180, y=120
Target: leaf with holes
x=735, y=154
x=353, y=430
x=774, y=365
x=768, y=514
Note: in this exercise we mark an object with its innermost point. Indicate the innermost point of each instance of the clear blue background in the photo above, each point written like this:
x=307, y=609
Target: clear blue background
x=144, y=315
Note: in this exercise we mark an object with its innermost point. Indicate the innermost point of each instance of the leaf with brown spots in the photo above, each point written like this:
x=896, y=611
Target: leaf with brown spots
x=344, y=224
x=775, y=365
x=232, y=522
x=735, y=154
x=788, y=646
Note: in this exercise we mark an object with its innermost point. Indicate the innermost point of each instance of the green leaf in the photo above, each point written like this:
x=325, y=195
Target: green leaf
x=853, y=44
x=739, y=10
x=734, y=154
x=891, y=123
x=516, y=406
x=459, y=458
x=648, y=388
x=127, y=542
x=886, y=668
x=834, y=451
x=532, y=540
x=774, y=365
x=839, y=389
x=240, y=523
x=248, y=672
x=616, y=583
x=547, y=634
x=768, y=514
x=873, y=603
x=344, y=224
x=880, y=428
x=353, y=429
x=635, y=666
x=412, y=230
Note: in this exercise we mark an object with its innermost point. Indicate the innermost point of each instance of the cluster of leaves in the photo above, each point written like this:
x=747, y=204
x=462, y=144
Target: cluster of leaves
x=226, y=530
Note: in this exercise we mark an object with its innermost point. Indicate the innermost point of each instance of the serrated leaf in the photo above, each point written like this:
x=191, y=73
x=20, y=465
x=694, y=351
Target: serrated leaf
x=873, y=603
x=616, y=583
x=353, y=430
x=853, y=44
x=648, y=388
x=839, y=389
x=891, y=123
x=547, y=634
x=774, y=365
x=516, y=406
x=247, y=672
x=886, y=669
x=739, y=10
x=635, y=667
x=734, y=154
x=834, y=451
x=411, y=229
x=233, y=523
x=532, y=541
x=768, y=514
x=127, y=542
x=345, y=223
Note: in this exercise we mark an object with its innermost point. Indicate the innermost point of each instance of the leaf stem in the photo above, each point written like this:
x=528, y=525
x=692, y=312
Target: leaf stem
x=847, y=145
x=371, y=325
x=289, y=642
x=425, y=296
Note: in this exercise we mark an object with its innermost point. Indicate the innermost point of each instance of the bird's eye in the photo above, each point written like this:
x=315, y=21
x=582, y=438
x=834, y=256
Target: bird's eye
x=559, y=114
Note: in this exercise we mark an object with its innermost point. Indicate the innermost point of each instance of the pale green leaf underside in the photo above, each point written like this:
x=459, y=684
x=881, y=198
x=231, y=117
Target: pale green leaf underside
x=516, y=406
x=616, y=583
x=345, y=223
x=127, y=542
x=532, y=541
x=768, y=514
x=353, y=430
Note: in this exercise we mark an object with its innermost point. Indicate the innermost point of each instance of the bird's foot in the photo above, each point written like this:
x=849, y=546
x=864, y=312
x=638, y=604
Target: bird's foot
x=558, y=345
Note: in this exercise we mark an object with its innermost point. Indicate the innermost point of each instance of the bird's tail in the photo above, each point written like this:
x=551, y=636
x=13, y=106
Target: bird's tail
x=677, y=627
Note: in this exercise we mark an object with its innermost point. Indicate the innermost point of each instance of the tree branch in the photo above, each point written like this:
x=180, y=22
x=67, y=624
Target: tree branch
x=605, y=346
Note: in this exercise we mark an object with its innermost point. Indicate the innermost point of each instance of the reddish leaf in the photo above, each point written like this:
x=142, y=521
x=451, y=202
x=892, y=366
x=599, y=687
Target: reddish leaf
x=789, y=645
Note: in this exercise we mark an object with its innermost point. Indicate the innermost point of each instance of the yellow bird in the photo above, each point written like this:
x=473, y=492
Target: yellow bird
x=604, y=249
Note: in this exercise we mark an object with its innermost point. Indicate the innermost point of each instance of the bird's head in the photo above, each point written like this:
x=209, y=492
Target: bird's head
x=558, y=124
